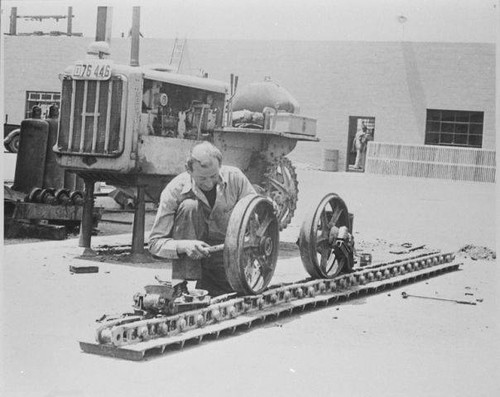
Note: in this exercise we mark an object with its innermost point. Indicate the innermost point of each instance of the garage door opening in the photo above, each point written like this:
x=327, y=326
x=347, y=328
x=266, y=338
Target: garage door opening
x=361, y=131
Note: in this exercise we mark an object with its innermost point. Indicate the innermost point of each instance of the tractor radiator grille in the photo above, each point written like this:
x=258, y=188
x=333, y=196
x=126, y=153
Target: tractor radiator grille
x=91, y=119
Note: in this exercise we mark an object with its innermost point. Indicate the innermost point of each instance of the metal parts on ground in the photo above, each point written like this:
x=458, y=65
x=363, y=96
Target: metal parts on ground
x=252, y=241
x=250, y=255
x=436, y=298
x=55, y=197
x=133, y=337
x=168, y=298
x=44, y=213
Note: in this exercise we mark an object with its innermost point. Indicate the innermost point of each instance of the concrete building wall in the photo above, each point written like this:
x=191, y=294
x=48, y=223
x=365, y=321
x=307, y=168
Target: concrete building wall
x=397, y=82
x=364, y=79
x=460, y=77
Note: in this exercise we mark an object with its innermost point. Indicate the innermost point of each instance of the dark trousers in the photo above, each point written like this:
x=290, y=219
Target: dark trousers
x=191, y=224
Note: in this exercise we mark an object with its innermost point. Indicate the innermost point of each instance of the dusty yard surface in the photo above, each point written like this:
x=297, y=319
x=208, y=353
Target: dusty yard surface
x=380, y=345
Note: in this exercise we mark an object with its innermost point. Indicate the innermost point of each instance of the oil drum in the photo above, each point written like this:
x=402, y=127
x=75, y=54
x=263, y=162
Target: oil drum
x=330, y=160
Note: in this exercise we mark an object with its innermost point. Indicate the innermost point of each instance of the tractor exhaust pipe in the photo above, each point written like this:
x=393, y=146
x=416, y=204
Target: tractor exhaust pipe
x=103, y=25
x=135, y=33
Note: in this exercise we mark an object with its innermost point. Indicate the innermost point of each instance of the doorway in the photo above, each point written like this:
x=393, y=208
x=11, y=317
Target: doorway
x=361, y=125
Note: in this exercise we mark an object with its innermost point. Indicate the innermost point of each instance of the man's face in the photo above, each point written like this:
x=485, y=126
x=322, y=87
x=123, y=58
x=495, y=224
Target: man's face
x=205, y=177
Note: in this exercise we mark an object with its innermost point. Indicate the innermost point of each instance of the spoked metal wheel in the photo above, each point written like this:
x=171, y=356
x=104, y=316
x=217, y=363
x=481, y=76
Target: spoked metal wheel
x=321, y=256
x=281, y=185
x=251, y=245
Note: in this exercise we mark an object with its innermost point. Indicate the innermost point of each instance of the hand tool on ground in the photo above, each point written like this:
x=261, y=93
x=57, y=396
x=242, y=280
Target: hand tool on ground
x=405, y=296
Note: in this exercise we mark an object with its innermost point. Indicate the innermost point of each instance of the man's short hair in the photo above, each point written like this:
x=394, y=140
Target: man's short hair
x=203, y=149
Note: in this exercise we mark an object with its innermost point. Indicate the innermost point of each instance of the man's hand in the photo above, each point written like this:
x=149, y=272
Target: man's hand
x=195, y=249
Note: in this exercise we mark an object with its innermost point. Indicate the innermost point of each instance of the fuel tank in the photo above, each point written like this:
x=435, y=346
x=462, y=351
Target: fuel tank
x=256, y=96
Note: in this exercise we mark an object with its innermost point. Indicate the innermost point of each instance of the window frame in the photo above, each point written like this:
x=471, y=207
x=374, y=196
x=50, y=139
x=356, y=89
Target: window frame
x=462, y=128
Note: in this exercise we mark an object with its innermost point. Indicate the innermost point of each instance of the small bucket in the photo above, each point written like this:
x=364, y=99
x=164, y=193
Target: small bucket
x=365, y=259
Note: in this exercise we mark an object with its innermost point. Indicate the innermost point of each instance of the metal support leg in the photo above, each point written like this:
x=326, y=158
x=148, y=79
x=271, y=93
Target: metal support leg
x=138, y=252
x=87, y=219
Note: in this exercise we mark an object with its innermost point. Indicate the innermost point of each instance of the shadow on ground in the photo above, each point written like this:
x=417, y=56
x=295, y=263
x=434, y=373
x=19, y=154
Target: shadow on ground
x=121, y=254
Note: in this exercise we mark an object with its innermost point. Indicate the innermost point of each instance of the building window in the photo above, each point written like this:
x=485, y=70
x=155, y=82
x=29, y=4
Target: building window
x=454, y=128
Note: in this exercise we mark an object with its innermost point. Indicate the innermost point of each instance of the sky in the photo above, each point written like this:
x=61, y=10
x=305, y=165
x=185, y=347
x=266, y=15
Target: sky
x=360, y=20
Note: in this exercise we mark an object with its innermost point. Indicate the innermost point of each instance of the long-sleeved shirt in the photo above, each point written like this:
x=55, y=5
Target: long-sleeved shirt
x=232, y=186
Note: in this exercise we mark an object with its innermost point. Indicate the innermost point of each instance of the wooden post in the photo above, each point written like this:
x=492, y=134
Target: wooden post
x=87, y=218
x=135, y=32
x=103, y=25
x=139, y=223
x=13, y=21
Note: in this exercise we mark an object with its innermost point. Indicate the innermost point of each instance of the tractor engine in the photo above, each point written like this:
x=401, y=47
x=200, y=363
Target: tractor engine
x=130, y=125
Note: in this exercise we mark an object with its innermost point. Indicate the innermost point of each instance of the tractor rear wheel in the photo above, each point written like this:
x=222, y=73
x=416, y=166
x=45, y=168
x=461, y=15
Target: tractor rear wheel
x=281, y=185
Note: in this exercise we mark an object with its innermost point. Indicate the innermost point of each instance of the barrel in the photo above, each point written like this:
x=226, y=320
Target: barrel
x=330, y=160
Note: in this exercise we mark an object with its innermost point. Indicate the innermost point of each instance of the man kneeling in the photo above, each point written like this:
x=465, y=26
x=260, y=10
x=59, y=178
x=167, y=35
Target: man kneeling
x=193, y=213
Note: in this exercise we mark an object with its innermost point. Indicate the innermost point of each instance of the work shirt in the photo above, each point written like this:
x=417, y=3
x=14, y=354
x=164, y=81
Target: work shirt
x=232, y=186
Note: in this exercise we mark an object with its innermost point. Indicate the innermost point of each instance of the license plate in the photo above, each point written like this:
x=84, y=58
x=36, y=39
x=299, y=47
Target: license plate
x=92, y=70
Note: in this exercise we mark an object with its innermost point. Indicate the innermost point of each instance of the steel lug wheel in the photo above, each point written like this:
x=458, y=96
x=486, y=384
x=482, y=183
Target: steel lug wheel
x=251, y=245
x=321, y=255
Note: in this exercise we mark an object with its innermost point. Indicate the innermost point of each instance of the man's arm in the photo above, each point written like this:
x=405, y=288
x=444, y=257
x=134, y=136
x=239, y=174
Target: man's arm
x=161, y=243
x=160, y=239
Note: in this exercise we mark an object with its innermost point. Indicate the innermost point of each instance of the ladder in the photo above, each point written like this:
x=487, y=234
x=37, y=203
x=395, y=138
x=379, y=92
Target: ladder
x=177, y=53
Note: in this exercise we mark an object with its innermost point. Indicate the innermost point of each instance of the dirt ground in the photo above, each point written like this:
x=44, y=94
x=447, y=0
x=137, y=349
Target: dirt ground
x=380, y=345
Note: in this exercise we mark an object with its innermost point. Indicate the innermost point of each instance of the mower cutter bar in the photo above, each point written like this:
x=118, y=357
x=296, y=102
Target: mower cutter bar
x=137, y=340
